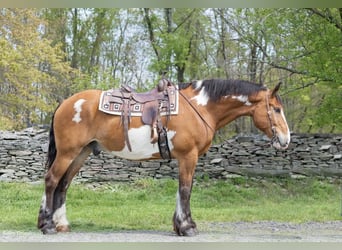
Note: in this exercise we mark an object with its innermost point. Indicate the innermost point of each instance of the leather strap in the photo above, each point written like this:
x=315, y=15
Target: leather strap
x=197, y=112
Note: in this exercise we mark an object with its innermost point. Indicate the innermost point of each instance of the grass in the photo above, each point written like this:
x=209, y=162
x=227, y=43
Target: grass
x=149, y=204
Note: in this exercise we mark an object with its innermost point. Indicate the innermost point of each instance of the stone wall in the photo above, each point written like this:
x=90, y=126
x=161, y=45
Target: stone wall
x=23, y=154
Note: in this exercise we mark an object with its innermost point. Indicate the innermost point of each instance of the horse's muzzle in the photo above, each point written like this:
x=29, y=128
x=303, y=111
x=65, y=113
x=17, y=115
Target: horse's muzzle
x=281, y=142
x=279, y=146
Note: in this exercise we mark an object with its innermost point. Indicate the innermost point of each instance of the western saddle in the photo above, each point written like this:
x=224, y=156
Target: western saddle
x=151, y=105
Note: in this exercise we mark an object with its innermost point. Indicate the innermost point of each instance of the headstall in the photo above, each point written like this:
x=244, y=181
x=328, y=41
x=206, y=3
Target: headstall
x=269, y=112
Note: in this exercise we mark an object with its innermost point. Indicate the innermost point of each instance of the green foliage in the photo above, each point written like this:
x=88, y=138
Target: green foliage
x=6, y=123
x=317, y=54
x=31, y=70
x=49, y=54
x=330, y=111
x=177, y=41
x=306, y=44
x=149, y=204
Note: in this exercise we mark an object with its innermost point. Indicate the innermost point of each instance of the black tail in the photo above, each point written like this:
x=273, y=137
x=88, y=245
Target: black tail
x=52, y=151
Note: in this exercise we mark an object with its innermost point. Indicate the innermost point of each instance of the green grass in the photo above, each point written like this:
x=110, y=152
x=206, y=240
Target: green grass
x=149, y=204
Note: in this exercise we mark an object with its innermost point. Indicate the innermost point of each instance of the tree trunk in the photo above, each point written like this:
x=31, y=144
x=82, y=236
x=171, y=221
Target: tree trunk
x=99, y=28
x=168, y=17
x=252, y=66
x=150, y=31
x=74, y=58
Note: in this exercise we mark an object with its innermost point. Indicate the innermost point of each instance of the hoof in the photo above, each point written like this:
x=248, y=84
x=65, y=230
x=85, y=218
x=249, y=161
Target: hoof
x=184, y=227
x=190, y=232
x=63, y=229
x=187, y=231
x=49, y=230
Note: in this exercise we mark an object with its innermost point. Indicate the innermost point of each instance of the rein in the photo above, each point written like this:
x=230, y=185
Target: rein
x=197, y=112
x=274, y=131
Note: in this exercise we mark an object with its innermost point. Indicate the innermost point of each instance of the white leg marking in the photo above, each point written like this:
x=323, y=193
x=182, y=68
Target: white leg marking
x=43, y=202
x=142, y=148
x=242, y=98
x=78, y=109
x=179, y=211
x=59, y=217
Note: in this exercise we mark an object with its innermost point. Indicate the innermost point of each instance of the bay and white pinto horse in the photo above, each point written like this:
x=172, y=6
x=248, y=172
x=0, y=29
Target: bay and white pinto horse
x=79, y=128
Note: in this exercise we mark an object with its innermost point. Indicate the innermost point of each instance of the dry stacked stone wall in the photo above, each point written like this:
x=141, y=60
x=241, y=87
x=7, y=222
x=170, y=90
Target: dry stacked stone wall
x=23, y=155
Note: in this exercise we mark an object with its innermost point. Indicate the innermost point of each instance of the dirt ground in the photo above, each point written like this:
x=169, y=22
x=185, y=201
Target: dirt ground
x=263, y=231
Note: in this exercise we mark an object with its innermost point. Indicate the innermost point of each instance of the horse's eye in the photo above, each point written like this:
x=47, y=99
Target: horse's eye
x=277, y=110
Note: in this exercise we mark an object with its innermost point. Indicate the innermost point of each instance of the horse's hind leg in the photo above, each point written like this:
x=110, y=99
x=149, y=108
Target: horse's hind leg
x=59, y=214
x=52, y=178
x=52, y=213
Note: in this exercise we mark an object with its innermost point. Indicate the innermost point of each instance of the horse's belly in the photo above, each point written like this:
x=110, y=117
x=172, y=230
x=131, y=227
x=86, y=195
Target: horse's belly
x=142, y=148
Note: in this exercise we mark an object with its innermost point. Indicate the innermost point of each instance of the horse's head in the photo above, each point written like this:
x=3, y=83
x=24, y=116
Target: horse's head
x=269, y=117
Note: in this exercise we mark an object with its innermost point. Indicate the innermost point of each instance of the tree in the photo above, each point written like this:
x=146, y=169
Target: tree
x=303, y=49
x=31, y=70
x=49, y=54
x=106, y=46
x=175, y=38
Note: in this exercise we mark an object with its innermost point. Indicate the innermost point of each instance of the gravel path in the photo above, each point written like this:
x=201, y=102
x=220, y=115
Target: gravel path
x=264, y=231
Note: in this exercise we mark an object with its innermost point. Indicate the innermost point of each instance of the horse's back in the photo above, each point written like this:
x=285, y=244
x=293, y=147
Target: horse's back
x=90, y=96
x=78, y=119
x=79, y=107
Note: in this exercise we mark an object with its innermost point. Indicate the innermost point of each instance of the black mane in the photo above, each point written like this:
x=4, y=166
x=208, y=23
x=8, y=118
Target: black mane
x=217, y=88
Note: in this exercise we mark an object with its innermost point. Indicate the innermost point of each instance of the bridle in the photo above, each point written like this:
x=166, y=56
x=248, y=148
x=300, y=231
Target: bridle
x=269, y=112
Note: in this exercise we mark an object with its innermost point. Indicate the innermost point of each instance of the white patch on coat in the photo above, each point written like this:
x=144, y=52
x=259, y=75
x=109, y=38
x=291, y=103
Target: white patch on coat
x=202, y=98
x=140, y=140
x=288, y=135
x=198, y=84
x=59, y=217
x=78, y=110
x=242, y=98
x=284, y=138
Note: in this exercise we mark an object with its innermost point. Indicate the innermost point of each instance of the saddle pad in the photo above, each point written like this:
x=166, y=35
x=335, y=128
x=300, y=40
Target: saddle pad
x=114, y=105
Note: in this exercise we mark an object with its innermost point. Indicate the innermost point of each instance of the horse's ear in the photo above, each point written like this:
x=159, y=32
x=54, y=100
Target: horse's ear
x=275, y=90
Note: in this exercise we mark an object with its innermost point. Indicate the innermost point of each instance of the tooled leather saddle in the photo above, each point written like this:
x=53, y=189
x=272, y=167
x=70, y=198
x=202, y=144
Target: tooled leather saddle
x=150, y=106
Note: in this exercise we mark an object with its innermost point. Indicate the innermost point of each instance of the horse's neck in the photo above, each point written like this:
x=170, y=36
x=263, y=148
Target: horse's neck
x=228, y=110
x=219, y=114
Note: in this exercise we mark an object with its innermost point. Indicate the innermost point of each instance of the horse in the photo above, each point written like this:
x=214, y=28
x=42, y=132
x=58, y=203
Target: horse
x=78, y=128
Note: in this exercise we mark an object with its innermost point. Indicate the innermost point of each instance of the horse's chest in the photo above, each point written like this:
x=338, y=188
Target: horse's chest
x=142, y=148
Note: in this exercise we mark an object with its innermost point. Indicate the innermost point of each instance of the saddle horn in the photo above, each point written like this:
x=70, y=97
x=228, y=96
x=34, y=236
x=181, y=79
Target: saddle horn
x=162, y=84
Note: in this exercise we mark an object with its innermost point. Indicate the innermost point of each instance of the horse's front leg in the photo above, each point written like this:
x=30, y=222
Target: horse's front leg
x=183, y=224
